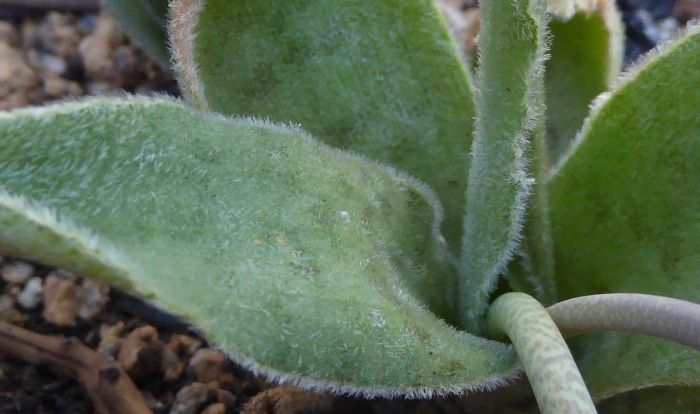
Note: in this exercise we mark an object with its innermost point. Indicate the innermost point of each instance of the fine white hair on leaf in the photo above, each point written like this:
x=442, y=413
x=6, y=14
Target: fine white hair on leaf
x=398, y=176
x=309, y=384
x=102, y=106
x=85, y=242
x=182, y=34
x=92, y=245
x=520, y=175
x=624, y=79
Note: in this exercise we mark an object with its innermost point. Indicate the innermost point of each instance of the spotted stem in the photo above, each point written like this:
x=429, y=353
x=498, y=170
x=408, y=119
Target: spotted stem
x=667, y=318
x=548, y=363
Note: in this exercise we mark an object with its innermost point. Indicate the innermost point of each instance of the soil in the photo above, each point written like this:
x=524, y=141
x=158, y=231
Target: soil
x=50, y=55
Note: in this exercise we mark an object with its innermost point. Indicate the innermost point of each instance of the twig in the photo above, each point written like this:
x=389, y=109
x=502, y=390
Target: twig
x=108, y=385
x=68, y=5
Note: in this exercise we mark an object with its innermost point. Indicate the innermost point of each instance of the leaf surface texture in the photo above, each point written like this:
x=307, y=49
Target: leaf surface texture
x=624, y=211
x=299, y=260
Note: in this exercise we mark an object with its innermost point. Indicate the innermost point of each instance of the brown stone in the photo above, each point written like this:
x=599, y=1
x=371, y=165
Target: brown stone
x=8, y=33
x=93, y=297
x=140, y=353
x=111, y=339
x=190, y=398
x=96, y=49
x=287, y=400
x=226, y=398
x=58, y=35
x=207, y=365
x=8, y=311
x=216, y=408
x=16, y=75
x=17, y=273
x=58, y=87
x=171, y=365
x=60, y=301
x=184, y=345
x=685, y=10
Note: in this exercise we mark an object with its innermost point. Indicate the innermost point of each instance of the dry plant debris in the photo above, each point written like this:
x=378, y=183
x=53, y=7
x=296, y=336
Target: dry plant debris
x=110, y=389
x=173, y=372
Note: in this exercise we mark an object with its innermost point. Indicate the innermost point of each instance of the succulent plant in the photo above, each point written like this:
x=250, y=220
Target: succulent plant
x=278, y=212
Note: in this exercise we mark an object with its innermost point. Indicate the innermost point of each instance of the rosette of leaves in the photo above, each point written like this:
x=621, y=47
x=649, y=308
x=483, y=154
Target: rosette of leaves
x=278, y=212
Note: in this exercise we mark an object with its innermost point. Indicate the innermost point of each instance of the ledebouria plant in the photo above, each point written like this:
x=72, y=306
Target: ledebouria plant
x=341, y=204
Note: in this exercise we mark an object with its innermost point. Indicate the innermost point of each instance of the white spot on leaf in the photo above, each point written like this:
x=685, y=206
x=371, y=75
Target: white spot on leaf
x=377, y=318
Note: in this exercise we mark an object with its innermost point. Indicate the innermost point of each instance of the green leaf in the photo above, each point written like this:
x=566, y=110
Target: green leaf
x=676, y=400
x=145, y=21
x=585, y=59
x=300, y=261
x=532, y=270
x=624, y=212
x=509, y=109
x=379, y=78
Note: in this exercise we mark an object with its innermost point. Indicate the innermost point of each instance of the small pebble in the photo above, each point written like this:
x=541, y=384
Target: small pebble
x=287, y=400
x=96, y=49
x=178, y=349
x=98, y=88
x=685, y=10
x=31, y=295
x=216, y=408
x=58, y=87
x=54, y=65
x=30, y=34
x=60, y=301
x=226, y=398
x=8, y=33
x=93, y=297
x=111, y=339
x=155, y=404
x=184, y=345
x=171, y=365
x=463, y=21
x=8, y=311
x=190, y=399
x=63, y=55
x=17, y=273
x=16, y=76
x=140, y=353
x=58, y=35
x=207, y=365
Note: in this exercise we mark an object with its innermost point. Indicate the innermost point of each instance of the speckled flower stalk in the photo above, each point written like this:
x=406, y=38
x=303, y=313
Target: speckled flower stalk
x=552, y=371
x=673, y=319
x=537, y=334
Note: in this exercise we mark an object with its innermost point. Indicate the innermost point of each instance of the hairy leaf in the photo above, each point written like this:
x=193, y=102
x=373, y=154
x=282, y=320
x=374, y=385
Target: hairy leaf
x=298, y=260
x=532, y=270
x=379, y=78
x=624, y=211
x=509, y=104
x=585, y=58
x=145, y=21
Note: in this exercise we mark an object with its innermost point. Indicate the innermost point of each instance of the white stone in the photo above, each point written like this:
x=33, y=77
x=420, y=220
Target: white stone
x=30, y=297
